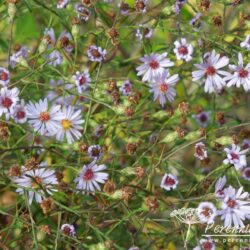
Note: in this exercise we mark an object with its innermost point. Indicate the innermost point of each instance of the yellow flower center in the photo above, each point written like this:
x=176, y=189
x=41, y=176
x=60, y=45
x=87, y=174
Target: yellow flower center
x=66, y=124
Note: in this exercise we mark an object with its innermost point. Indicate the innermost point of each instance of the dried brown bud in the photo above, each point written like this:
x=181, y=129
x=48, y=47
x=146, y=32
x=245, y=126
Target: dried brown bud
x=135, y=98
x=116, y=97
x=237, y=2
x=202, y=131
x=235, y=139
x=184, y=107
x=46, y=229
x=197, y=109
x=4, y=131
x=75, y=21
x=207, y=183
x=218, y=146
x=139, y=172
x=217, y=20
x=245, y=133
x=126, y=193
x=205, y=5
x=113, y=33
x=152, y=203
x=132, y=147
x=181, y=132
x=129, y=111
x=64, y=41
x=170, y=111
x=109, y=187
x=220, y=118
x=31, y=163
x=86, y=2
x=124, y=7
x=112, y=86
x=83, y=147
x=47, y=205
x=59, y=176
x=205, y=162
x=15, y=171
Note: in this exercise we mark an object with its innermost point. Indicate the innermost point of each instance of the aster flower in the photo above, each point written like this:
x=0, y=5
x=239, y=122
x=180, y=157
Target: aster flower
x=20, y=57
x=143, y=32
x=206, y=212
x=163, y=88
x=37, y=181
x=234, y=207
x=153, y=66
x=49, y=36
x=62, y=4
x=183, y=50
x=236, y=157
x=44, y=119
x=70, y=125
x=18, y=113
x=68, y=229
x=65, y=41
x=8, y=100
x=219, y=187
x=169, y=182
x=241, y=75
x=196, y=22
x=200, y=151
x=4, y=77
x=246, y=43
x=96, y=54
x=82, y=12
x=210, y=72
x=246, y=173
x=141, y=5
x=246, y=144
x=205, y=244
x=82, y=80
x=203, y=118
x=126, y=88
x=55, y=58
x=95, y=151
x=178, y=5
x=90, y=177
x=124, y=8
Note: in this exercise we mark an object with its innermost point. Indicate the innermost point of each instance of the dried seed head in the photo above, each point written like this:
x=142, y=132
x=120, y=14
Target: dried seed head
x=170, y=111
x=15, y=171
x=197, y=109
x=207, y=183
x=235, y=139
x=132, y=147
x=46, y=229
x=237, y=2
x=124, y=7
x=109, y=187
x=111, y=15
x=128, y=111
x=113, y=33
x=205, y=5
x=112, y=86
x=218, y=146
x=217, y=20
x=75, y=21
x=184, y=107
x=83, y=147
x=86, y=2
x=152, y=203
x=116, y=97
x=202, y=132
x=59, y=176
x=31, y=163
x=245, y=133
x=220, y=118
x=64, y=41
x=47, y=205
x=4, y=133
x=139, y=172
x=135, y=98
x=17, y=47
x=127, y=193
x=180, y=132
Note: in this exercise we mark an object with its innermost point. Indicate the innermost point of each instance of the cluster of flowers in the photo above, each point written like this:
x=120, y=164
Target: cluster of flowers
x=154, y=71
x=41, y=181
